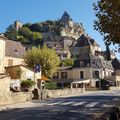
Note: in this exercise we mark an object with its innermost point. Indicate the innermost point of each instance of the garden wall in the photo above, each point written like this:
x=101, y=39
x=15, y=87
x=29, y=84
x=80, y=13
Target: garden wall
x=16, y=97
x=61, y=92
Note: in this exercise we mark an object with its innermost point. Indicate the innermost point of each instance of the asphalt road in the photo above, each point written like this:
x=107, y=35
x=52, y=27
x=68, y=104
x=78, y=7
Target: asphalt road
x=88, y=106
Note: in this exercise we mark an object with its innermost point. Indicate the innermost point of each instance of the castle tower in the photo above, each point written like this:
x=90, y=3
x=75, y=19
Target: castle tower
x=17, y=25
x=65, y=19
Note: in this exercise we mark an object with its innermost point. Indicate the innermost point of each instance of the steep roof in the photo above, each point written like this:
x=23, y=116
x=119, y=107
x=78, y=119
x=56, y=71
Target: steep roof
x=14, y=49
x=65, y=17
x=116, y=64
x=85, y=40
x=88, y=60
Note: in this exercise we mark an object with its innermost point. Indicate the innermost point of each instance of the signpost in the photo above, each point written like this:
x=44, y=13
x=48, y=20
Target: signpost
x=37, y=73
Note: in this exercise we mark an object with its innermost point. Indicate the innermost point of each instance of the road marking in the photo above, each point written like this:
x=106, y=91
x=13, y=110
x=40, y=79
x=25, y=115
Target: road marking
x=54, y=103
x=23, y=116
x=105, y=105
x=92, y=104
x=66, y=103
x=78, y=103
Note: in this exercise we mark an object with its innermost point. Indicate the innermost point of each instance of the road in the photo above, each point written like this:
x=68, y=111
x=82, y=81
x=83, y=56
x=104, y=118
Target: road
x=88, y=106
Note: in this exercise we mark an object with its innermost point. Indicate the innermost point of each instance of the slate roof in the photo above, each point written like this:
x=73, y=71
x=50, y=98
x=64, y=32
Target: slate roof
x=14, y=49
x=88, y=60
x=65, y=17
x=116, y=64
x=85, y=40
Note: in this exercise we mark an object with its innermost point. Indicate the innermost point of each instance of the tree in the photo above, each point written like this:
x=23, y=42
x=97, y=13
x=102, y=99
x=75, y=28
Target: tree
x=108, y=20
x=35, y=27
x=68, y=62
x=46, y=57
x=11, y=33
x=25, y=32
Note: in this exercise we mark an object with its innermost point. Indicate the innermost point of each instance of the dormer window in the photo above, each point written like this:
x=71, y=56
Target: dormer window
x=81, y=63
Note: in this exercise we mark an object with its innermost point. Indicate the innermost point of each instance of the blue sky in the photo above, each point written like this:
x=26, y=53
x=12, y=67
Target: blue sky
x=40, y=10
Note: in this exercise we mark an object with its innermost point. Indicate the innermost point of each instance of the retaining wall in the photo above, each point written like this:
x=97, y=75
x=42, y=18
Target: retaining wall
x=12, y=98
x=61, y=92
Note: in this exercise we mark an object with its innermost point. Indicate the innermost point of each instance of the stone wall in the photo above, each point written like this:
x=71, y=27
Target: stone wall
x=4, y=84
x=16, y=97
x=62, y=92
x=2, y=55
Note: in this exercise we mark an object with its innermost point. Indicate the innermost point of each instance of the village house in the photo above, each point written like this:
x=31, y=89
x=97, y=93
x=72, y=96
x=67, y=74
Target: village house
x=89, y=66
x=12, y=53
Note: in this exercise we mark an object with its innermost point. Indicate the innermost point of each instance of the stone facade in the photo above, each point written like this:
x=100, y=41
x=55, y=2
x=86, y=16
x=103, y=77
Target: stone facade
x=69, y=28
x=2, y=55
x=4, y=84
x=12, y=61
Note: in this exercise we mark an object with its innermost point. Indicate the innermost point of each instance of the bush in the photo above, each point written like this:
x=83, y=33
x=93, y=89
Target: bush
x=51, y=85
x=27, y=83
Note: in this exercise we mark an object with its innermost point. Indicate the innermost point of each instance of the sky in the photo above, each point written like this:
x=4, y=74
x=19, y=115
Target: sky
x=32, y=11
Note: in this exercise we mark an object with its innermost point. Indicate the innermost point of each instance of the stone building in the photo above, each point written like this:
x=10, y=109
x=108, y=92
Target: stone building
x=89, y=66
x=86, y=69
x=18, y=24
x=2, y=54
x=12, y=53
x=84, y=45
x=69, y=28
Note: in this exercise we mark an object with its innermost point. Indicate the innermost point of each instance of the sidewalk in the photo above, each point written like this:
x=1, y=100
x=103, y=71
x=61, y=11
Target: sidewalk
x=17, y=105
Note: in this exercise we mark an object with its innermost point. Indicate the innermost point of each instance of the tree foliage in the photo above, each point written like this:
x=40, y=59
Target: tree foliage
x=68, y=62
x=108, y=20
x=46, y=57
x=11, y=33
x=23, y=35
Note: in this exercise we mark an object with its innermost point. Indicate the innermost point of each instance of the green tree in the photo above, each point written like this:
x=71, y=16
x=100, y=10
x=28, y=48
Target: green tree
x=36, y=27
x=25, y=32
x=11, y=33
x=36, y=36
x=108, y=20
x=46, y=57
x=68, y=62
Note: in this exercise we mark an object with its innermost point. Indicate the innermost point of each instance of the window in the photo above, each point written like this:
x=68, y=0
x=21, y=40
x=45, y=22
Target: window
x=81, y=74
x=96, y=74
x=10, y=62
x=81, y=63
x=64, y=75
x=56, y=75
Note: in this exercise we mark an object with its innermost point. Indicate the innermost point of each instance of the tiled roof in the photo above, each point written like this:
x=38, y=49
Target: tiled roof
x=14, y=49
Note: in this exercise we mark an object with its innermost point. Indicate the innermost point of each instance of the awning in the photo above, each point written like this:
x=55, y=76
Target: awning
x=81, y=81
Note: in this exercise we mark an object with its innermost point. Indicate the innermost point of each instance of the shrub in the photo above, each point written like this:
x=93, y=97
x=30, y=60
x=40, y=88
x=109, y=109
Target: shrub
x=27, y=83
x=50, y=85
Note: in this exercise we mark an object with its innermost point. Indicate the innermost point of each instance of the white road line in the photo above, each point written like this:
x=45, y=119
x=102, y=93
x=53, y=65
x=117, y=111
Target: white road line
x=78, y=103
x=23, y=116
x=54, y=103
x=66, y=103
x=92, y=104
